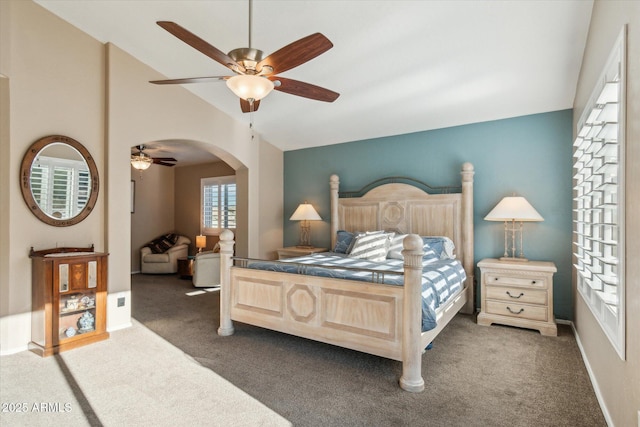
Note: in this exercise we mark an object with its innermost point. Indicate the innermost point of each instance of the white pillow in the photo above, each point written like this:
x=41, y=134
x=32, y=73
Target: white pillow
x=373, y=247
x=396, y=246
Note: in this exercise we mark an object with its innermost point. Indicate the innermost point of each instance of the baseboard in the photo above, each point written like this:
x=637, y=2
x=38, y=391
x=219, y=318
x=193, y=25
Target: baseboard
x=14, y=350
x=120, y=327
x=592, y=377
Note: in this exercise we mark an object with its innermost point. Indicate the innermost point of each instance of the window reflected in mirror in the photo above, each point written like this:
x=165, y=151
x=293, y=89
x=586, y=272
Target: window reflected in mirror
x=59, y=180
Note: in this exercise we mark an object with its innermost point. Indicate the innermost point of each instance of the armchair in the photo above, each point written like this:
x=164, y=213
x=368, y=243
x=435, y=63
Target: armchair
x=206, y=269
x=165, y=262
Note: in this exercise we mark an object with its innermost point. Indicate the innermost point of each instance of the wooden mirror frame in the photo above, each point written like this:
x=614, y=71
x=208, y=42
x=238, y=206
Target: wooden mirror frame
x=25, y=180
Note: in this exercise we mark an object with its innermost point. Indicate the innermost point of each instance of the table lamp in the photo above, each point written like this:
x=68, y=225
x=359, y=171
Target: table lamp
x=513, y=209
x=304, y=214
x=201, y=242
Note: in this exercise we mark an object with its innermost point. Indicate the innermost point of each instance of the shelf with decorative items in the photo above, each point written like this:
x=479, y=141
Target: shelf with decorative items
x=68, y=299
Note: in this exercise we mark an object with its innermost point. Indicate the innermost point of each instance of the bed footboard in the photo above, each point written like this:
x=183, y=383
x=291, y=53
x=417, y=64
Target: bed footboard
x=383, y=320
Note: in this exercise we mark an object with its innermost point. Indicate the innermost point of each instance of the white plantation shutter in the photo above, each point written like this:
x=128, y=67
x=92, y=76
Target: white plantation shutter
x=218, y=204
x=599, y=200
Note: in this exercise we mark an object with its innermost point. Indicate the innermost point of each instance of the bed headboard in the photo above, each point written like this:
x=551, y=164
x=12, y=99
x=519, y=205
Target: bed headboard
x=405, y=208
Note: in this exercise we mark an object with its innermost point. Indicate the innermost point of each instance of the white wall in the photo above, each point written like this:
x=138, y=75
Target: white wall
x=617, y=381
x=61, y=81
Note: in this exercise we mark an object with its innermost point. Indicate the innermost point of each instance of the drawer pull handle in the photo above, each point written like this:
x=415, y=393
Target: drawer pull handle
x=515, y=312
x=495, y=278
x=509, y=293
x=533, y=282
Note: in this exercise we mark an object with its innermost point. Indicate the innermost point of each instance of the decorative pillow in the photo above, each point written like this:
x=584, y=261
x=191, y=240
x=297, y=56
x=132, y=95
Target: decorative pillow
x=162, y=244
x=343, y=241
x=359, y=233
x=442, y=246
x=434, y=247
x=373, y=247
x=396, y=246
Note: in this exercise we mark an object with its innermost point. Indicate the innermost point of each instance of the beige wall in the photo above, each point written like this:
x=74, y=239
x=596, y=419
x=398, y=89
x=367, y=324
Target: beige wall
x=56, y=86
x=61, y=81
x=617, y=381
x=154, y=208
x=271, y=202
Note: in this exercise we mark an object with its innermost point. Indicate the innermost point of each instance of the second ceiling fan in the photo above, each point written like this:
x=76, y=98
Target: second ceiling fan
x=256, y=76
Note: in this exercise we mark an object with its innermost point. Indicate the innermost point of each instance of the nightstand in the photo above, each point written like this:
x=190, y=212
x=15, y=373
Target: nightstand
x=517, y=294
x=294, y=251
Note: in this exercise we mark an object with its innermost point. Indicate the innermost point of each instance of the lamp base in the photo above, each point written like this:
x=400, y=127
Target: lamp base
x=513, y=259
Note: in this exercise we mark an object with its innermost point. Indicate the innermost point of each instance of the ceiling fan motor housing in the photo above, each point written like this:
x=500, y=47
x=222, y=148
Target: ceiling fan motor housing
x=249, y=57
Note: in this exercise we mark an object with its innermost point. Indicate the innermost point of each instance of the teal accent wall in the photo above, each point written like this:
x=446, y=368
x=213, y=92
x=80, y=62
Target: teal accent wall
x=529, y=156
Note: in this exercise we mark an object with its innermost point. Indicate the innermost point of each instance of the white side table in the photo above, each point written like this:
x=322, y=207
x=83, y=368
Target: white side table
x=517, y=294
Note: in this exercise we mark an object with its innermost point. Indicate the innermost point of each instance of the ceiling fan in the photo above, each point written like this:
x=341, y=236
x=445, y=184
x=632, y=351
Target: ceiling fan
x=143, y=161
x=256, y=75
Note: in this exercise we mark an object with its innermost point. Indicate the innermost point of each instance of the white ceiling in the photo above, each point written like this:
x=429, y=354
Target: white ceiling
x=400, y=66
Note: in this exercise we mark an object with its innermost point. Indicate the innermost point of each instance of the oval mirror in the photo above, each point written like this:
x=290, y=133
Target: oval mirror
x=59, y=180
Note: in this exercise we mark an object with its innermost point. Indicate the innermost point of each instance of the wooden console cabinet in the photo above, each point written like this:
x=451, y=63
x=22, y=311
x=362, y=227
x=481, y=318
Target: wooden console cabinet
x=68, y=298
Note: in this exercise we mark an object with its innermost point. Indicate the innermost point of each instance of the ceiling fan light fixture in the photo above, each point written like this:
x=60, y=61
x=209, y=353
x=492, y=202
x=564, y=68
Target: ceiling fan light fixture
x=250, y=86
x=141, y=161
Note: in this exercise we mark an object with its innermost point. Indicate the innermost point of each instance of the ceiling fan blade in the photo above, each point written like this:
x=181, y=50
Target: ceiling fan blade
x=164, y=163
x=306, y=90
x=201, y=45
x=188, y=80
x=164, y=159
x=246, y=105
x=296, y=53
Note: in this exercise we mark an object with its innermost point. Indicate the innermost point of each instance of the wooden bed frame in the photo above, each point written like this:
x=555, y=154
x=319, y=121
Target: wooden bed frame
x=383, y=320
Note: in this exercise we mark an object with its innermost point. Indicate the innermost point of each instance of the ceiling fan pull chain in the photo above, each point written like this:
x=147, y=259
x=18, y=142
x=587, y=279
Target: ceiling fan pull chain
x=251, y=100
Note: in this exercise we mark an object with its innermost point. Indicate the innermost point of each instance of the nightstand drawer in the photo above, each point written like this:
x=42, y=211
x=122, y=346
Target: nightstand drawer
x=517, y=295
x=531, y=312
x=505, y=280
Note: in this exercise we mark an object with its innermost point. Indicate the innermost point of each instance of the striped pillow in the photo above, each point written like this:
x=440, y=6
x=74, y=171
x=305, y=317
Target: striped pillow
x=373, y=247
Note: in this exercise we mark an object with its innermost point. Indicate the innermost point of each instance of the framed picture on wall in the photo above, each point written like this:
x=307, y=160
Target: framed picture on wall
x=133, y=196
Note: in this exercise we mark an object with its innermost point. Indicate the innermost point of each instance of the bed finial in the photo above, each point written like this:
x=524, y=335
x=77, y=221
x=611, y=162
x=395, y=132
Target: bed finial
x=334, y=185
x=467, y=171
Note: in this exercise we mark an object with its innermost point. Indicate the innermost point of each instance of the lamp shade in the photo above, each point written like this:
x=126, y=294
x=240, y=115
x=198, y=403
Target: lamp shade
x=513, y=208
x=305, y=212
x=141, y=161
x=201, y=242
x=250, y=87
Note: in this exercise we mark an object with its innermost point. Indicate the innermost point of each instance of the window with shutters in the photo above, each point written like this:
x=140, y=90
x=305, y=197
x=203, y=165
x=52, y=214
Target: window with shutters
x=218, y=204
x=599, y=193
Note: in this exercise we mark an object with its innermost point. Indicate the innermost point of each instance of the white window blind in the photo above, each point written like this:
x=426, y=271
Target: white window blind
x=218, y=202
x=599, y=200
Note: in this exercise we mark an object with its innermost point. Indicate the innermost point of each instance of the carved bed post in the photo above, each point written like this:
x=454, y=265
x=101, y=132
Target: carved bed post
x=334, y=184
x=226, y=252
x=411, y=379
x=467, y=234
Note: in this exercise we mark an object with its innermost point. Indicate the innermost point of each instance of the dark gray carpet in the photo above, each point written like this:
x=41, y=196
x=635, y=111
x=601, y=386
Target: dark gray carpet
x=474, y=375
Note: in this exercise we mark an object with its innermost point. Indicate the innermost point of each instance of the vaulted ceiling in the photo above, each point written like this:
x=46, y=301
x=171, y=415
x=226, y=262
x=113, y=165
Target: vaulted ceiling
x=399, y=66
